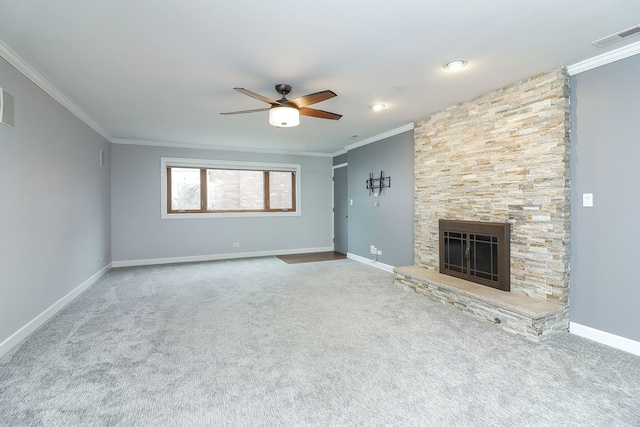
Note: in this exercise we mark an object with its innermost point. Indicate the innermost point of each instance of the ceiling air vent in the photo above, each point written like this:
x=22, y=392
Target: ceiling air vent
x=617, y=37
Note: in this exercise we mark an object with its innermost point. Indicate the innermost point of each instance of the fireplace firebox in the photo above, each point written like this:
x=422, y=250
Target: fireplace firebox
x=476, y=251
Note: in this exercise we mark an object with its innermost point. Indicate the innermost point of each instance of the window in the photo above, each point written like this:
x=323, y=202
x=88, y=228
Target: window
x=209, y=188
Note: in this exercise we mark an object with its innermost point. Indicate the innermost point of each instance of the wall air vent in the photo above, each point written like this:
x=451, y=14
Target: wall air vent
x=617, y=37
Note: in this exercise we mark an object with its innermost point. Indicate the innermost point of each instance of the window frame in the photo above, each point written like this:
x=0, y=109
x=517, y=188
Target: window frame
x=203, y=165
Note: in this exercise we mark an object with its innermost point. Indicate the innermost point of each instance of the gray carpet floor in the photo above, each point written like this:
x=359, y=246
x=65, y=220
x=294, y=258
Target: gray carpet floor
x=261, y=342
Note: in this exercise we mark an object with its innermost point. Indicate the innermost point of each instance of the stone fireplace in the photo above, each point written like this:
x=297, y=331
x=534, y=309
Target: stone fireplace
x=503, y=158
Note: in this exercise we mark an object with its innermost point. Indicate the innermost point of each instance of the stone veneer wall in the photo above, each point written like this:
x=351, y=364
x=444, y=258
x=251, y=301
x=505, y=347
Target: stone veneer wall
x=502, y=157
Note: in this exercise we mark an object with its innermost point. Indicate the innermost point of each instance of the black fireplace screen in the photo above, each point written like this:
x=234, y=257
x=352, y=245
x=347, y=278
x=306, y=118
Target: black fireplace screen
x=476, y=251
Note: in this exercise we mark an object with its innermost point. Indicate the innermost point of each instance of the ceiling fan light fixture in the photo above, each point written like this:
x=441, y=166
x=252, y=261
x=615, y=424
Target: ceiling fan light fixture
x=455, y=64
x=286, y=114
x=283, y=116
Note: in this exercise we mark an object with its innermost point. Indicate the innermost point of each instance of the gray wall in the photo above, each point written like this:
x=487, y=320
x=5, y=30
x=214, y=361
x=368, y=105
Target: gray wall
x=55, y=215
x=140, y=234
x=390, y=225
x=340, y=159
x=605, y=279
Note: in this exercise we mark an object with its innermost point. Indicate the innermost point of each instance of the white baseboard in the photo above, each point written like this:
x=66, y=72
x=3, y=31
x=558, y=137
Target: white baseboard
x=371, y=262
x=605, y=338
x=217, y=257
x=15, y=339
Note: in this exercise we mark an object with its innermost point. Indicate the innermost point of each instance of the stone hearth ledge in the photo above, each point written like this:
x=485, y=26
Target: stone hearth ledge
x=531, y=318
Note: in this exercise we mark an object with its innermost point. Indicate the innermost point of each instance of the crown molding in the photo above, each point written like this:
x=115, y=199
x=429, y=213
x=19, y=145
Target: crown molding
x=12, y=58
x=167, y=144
x=380, y=136
x=604, y=59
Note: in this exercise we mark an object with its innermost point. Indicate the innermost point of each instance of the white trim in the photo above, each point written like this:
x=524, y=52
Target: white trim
x=15, y=339
x=371, y=262
x=209, y=163
x=341, y=165
x=615, y=341
x=217, y=147
x=12, y=58
x=605, y=58
x=333, y=201
x=216, y=257
x=384, y=135
x=332, y=218
x=218, y=215
x=230, y=164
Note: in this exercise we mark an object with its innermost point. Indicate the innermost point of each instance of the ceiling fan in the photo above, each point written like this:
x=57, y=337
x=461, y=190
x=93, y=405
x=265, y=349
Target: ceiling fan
x=286, y=113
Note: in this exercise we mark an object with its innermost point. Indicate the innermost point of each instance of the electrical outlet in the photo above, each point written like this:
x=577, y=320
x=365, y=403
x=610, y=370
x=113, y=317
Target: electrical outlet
x=379, y=252
x=372, y=250
x=236, y=244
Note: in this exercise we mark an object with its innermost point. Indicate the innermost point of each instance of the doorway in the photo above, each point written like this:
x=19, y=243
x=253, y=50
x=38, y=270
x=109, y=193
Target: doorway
x=340, y=209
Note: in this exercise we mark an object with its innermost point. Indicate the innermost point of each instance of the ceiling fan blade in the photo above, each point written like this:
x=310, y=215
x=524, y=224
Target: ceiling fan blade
x=313, y=98
x=256, y=96
x=247, y=111
x=312, y=112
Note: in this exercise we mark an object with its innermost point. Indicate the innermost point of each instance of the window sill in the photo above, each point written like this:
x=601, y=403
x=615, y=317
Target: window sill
x=227, y=215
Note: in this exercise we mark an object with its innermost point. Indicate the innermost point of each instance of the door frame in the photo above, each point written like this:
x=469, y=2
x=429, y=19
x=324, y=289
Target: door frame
x=333, y=203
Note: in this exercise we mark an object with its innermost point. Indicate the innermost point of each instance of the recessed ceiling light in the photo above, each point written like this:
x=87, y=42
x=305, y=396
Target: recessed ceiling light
x=377, y=107
x=455, y=64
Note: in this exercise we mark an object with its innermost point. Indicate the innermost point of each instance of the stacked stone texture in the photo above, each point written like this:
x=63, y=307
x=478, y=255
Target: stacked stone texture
x=502, y=157
x=534, y=329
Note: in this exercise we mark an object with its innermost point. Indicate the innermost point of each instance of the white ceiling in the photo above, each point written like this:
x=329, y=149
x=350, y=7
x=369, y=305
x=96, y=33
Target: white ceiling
x=163, y=71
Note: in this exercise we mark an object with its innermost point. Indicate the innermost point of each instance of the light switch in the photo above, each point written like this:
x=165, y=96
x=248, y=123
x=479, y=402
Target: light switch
x=587, y=200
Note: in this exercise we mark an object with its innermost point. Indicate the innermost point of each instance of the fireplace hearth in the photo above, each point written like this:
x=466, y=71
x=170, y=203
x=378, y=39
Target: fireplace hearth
x=476, y=251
